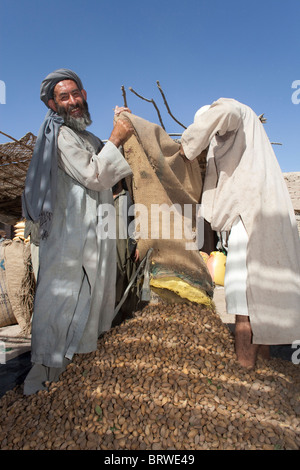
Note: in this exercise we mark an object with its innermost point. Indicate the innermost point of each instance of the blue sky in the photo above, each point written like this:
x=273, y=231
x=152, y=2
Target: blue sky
x=199, y=50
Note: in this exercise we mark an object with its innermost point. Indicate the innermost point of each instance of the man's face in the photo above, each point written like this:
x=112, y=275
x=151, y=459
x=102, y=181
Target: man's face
x=70, y=103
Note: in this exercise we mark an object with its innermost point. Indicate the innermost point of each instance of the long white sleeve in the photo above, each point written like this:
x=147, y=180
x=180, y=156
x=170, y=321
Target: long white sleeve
x=223, y=116
x=78, y=157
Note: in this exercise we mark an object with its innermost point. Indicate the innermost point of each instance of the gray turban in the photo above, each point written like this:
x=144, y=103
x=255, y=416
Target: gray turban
x=55, y=77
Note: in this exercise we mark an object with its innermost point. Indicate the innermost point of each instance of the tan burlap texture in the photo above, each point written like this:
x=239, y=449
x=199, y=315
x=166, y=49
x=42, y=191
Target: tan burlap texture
x=6, y=312
x=20, y=282
x=161, y=176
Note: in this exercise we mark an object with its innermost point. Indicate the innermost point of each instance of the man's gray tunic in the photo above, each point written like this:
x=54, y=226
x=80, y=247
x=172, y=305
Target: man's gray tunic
x=75, y=294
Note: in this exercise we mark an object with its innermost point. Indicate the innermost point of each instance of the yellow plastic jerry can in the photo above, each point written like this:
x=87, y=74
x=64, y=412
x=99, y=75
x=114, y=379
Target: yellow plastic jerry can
x=216, y=264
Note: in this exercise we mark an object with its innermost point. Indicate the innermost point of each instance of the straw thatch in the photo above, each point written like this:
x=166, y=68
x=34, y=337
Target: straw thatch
x=14, y=161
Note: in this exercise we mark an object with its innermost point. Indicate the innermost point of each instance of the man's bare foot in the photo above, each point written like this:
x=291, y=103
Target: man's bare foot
x=245, y=350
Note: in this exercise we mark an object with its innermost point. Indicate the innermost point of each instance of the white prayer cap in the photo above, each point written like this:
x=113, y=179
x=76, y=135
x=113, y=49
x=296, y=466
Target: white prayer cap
x=201, y=111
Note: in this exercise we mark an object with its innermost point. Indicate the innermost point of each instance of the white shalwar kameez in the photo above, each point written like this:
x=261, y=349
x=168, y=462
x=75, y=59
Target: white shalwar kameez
x=75, y=295
x=244, y=183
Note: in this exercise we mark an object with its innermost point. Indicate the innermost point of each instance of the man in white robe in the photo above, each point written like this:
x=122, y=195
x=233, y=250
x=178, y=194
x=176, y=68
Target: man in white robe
x=246, y=196
x=75, y=295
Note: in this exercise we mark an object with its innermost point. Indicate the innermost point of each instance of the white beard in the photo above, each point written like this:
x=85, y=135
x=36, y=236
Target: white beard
x=78, y=124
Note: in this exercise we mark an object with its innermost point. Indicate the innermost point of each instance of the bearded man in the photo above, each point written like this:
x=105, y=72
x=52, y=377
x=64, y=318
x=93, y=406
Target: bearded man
x=70, y=176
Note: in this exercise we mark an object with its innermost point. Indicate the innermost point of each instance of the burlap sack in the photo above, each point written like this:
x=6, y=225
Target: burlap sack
x=20, y=282
x=6, y=312
x=162, y=176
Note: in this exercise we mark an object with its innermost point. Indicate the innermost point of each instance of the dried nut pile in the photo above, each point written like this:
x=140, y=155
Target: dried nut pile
x=165, y=380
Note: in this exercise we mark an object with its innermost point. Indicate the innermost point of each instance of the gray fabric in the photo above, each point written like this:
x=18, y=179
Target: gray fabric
x=80, y=157
x=75, y=295
x=39, y=375
x=41, y=179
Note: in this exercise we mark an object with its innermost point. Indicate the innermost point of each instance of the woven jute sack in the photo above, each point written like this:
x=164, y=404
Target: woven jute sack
x=162, y=177
x=20, y=282
x=7, y=317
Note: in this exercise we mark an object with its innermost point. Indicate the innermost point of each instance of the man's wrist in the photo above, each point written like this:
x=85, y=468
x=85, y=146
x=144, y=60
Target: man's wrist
x=116, y=141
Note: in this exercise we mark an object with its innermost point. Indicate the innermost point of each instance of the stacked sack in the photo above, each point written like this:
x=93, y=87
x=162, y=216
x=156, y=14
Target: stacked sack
x=19, y=229
x=17, y=283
